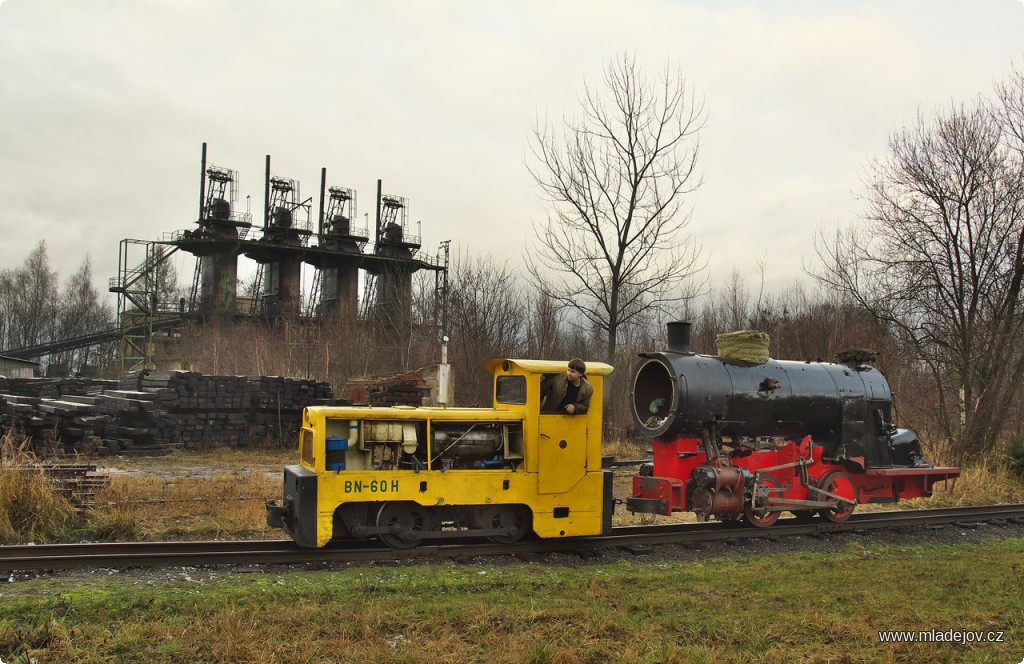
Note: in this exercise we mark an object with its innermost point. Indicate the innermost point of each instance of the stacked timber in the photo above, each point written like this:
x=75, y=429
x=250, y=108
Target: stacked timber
x=152, y=412
x=196, y=410
x=54, y=412
x=52, y=388
x=133, y=423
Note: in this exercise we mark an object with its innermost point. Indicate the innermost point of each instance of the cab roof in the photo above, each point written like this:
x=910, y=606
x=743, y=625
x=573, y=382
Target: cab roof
x=551, y=366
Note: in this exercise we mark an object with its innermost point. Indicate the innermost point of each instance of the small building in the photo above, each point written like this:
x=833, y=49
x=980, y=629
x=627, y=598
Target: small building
x=14, y=367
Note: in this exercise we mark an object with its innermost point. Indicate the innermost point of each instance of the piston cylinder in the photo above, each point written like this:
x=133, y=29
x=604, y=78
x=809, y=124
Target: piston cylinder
x=717, y=490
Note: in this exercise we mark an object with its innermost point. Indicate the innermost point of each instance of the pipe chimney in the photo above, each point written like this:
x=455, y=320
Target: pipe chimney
x=679, y=337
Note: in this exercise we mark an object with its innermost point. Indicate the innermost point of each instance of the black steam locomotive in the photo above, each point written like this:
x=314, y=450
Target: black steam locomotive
x=732, y=437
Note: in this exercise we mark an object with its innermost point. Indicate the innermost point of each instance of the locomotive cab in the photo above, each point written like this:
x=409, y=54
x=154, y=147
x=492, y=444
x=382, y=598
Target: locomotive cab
x=409, y=475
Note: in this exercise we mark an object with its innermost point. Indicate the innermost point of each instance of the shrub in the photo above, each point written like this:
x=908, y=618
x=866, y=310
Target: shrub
x=1016, y=457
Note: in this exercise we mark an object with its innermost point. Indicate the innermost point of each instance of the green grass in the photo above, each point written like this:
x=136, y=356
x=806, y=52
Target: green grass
x=814, y=607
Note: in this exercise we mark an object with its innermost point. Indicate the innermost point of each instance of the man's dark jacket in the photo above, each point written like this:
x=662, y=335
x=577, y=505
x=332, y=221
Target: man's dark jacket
x=552, y=391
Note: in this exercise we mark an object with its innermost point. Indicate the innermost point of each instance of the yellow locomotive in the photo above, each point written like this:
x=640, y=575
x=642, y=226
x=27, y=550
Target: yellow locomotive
x=410, y=475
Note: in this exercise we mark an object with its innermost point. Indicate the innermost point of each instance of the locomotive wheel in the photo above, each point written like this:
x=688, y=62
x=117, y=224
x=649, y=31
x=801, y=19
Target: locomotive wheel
x=351, y=517
x=760, y=517
x=504, y=516
x=407, y=522
x=841, y=484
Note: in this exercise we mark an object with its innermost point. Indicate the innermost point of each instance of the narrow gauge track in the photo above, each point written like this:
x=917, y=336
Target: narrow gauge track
x=263, y=552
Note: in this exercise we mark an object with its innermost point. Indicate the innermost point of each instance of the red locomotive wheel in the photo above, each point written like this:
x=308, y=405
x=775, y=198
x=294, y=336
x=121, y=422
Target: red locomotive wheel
x=841, y=484
x=759, y=516
x=407, y=523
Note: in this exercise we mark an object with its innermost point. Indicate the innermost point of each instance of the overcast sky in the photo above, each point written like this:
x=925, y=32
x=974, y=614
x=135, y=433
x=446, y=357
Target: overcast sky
x=104, y=105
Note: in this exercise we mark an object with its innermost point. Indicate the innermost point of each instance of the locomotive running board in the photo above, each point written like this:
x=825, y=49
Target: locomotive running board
x=369, y=531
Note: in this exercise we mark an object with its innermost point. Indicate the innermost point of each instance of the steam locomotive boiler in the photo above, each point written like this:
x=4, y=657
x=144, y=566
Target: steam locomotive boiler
x=734, y=439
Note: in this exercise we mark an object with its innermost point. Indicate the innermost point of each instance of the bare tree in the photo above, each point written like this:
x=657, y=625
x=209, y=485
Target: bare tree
x=34, y=309
x=544, y=334
x=613, y=243
x=941, y=262
x=487, y=319
x=165, y=282
x=81, y=312
x=28, y=297
x=1009, y=110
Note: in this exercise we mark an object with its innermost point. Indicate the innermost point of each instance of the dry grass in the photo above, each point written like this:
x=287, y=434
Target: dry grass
x=30, y=509
x=218, y=494
x=219, y=505
x=204, y=462
x=624, y=450
x=986, y=481
x=981, y=484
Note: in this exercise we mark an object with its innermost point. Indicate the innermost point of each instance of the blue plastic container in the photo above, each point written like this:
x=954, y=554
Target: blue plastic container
x=336, y=443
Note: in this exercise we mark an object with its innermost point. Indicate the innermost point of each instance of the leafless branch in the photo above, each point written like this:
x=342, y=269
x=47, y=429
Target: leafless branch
x=614, y=241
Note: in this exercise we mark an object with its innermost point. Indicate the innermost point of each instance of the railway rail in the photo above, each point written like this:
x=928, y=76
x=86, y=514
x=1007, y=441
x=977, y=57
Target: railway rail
x=264, y=552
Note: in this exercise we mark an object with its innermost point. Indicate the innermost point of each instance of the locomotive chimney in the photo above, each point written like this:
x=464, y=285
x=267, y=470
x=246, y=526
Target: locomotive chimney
x=679, y=337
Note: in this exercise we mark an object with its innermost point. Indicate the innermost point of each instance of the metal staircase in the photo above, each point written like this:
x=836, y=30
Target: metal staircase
x=138, y=299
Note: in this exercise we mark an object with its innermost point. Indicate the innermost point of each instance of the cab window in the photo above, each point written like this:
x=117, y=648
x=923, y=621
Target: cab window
x=510, y=390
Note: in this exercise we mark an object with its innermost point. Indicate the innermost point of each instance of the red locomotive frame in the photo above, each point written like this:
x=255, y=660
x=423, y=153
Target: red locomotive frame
x=785, y=476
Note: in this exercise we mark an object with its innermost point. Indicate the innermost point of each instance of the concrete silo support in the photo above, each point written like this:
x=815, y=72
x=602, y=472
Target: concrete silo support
x=220, y=272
